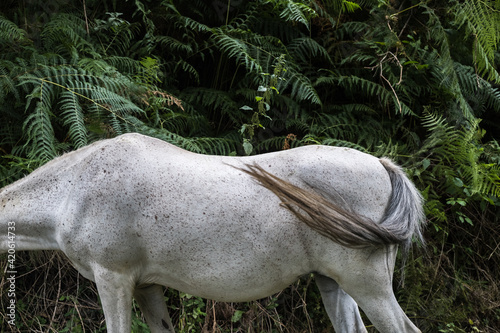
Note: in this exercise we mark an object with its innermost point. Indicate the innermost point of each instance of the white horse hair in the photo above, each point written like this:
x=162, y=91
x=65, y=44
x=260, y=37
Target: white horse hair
x=135, y=213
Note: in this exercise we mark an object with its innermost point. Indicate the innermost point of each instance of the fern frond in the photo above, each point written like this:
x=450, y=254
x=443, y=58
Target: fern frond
x=350, y=29
x=353, y=109
x=349, y=6
x=117, y=105
x=492, y=184
x=274, y=143
x=339, y=6
x=274, y=27
x=7, y=84
x=442, y=135
x=187, y=68
x=480, y=94
x=213, y=100
x=184, y=124
x=116, y=35
x=485, y=63
x=343, y=143
x=96, y=66
x=191, y=24
x=306, y=48
x=236, y=49
x=459, y=150
x=301, y=86
x=10, y=32
x=443, y=70
x=290, y=108
x=339, y=125
x=369, y=89
x=174, y=45
x=41, y=142
x=481, y=19
x=296, y=12
x=73, y=117
x=65, y=34
x=213, y=146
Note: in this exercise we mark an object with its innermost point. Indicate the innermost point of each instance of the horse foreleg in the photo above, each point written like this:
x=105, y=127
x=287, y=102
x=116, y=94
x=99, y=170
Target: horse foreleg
x=154, y=308
x=115, y=292
x=340, y=307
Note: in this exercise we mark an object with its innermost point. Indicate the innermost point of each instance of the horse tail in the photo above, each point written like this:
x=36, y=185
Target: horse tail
x=404, y=215
x=402, y=221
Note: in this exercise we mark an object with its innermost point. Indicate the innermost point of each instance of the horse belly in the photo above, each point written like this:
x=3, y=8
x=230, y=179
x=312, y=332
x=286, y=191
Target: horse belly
x=229, y=254
x=231, y=277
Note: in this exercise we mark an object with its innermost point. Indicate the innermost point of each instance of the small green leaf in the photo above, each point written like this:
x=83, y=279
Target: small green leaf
x=425, y=66
x=410, y=63
x=246, y=108
x=243, y=128
x=425, y=163
x=237, y=316
x=458, y=182
x=248, y=147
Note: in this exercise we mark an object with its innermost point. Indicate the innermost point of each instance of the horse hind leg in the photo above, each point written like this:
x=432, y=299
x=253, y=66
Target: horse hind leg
x=383, y=310
x=340, y=307
x=116, y=299
x=369, y=282
x=154, y=308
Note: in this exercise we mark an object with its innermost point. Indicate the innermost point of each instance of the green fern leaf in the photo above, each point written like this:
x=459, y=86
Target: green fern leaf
x=38, y=128
x=10, y=32
x=297, y=12
x=302, y=88
x=481, y=19
x=73, y=117
x=305, y=48
x=236, y=49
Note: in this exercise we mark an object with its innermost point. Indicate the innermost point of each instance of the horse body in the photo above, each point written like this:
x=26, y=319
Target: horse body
x=133, y=213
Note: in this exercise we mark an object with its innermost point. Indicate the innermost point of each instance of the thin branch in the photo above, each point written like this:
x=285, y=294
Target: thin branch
x=86, y=18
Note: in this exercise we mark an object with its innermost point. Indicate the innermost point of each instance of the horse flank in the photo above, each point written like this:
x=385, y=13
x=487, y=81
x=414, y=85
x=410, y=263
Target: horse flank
x=402, y=221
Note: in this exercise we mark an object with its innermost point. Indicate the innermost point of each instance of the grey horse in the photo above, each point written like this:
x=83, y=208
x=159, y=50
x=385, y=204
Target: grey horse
x=134, y=213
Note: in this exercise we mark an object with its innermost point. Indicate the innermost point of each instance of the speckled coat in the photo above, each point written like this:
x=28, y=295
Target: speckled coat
x=134, y=213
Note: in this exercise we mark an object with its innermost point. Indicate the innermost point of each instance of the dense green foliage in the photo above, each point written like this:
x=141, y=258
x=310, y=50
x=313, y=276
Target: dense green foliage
x=412, y=80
